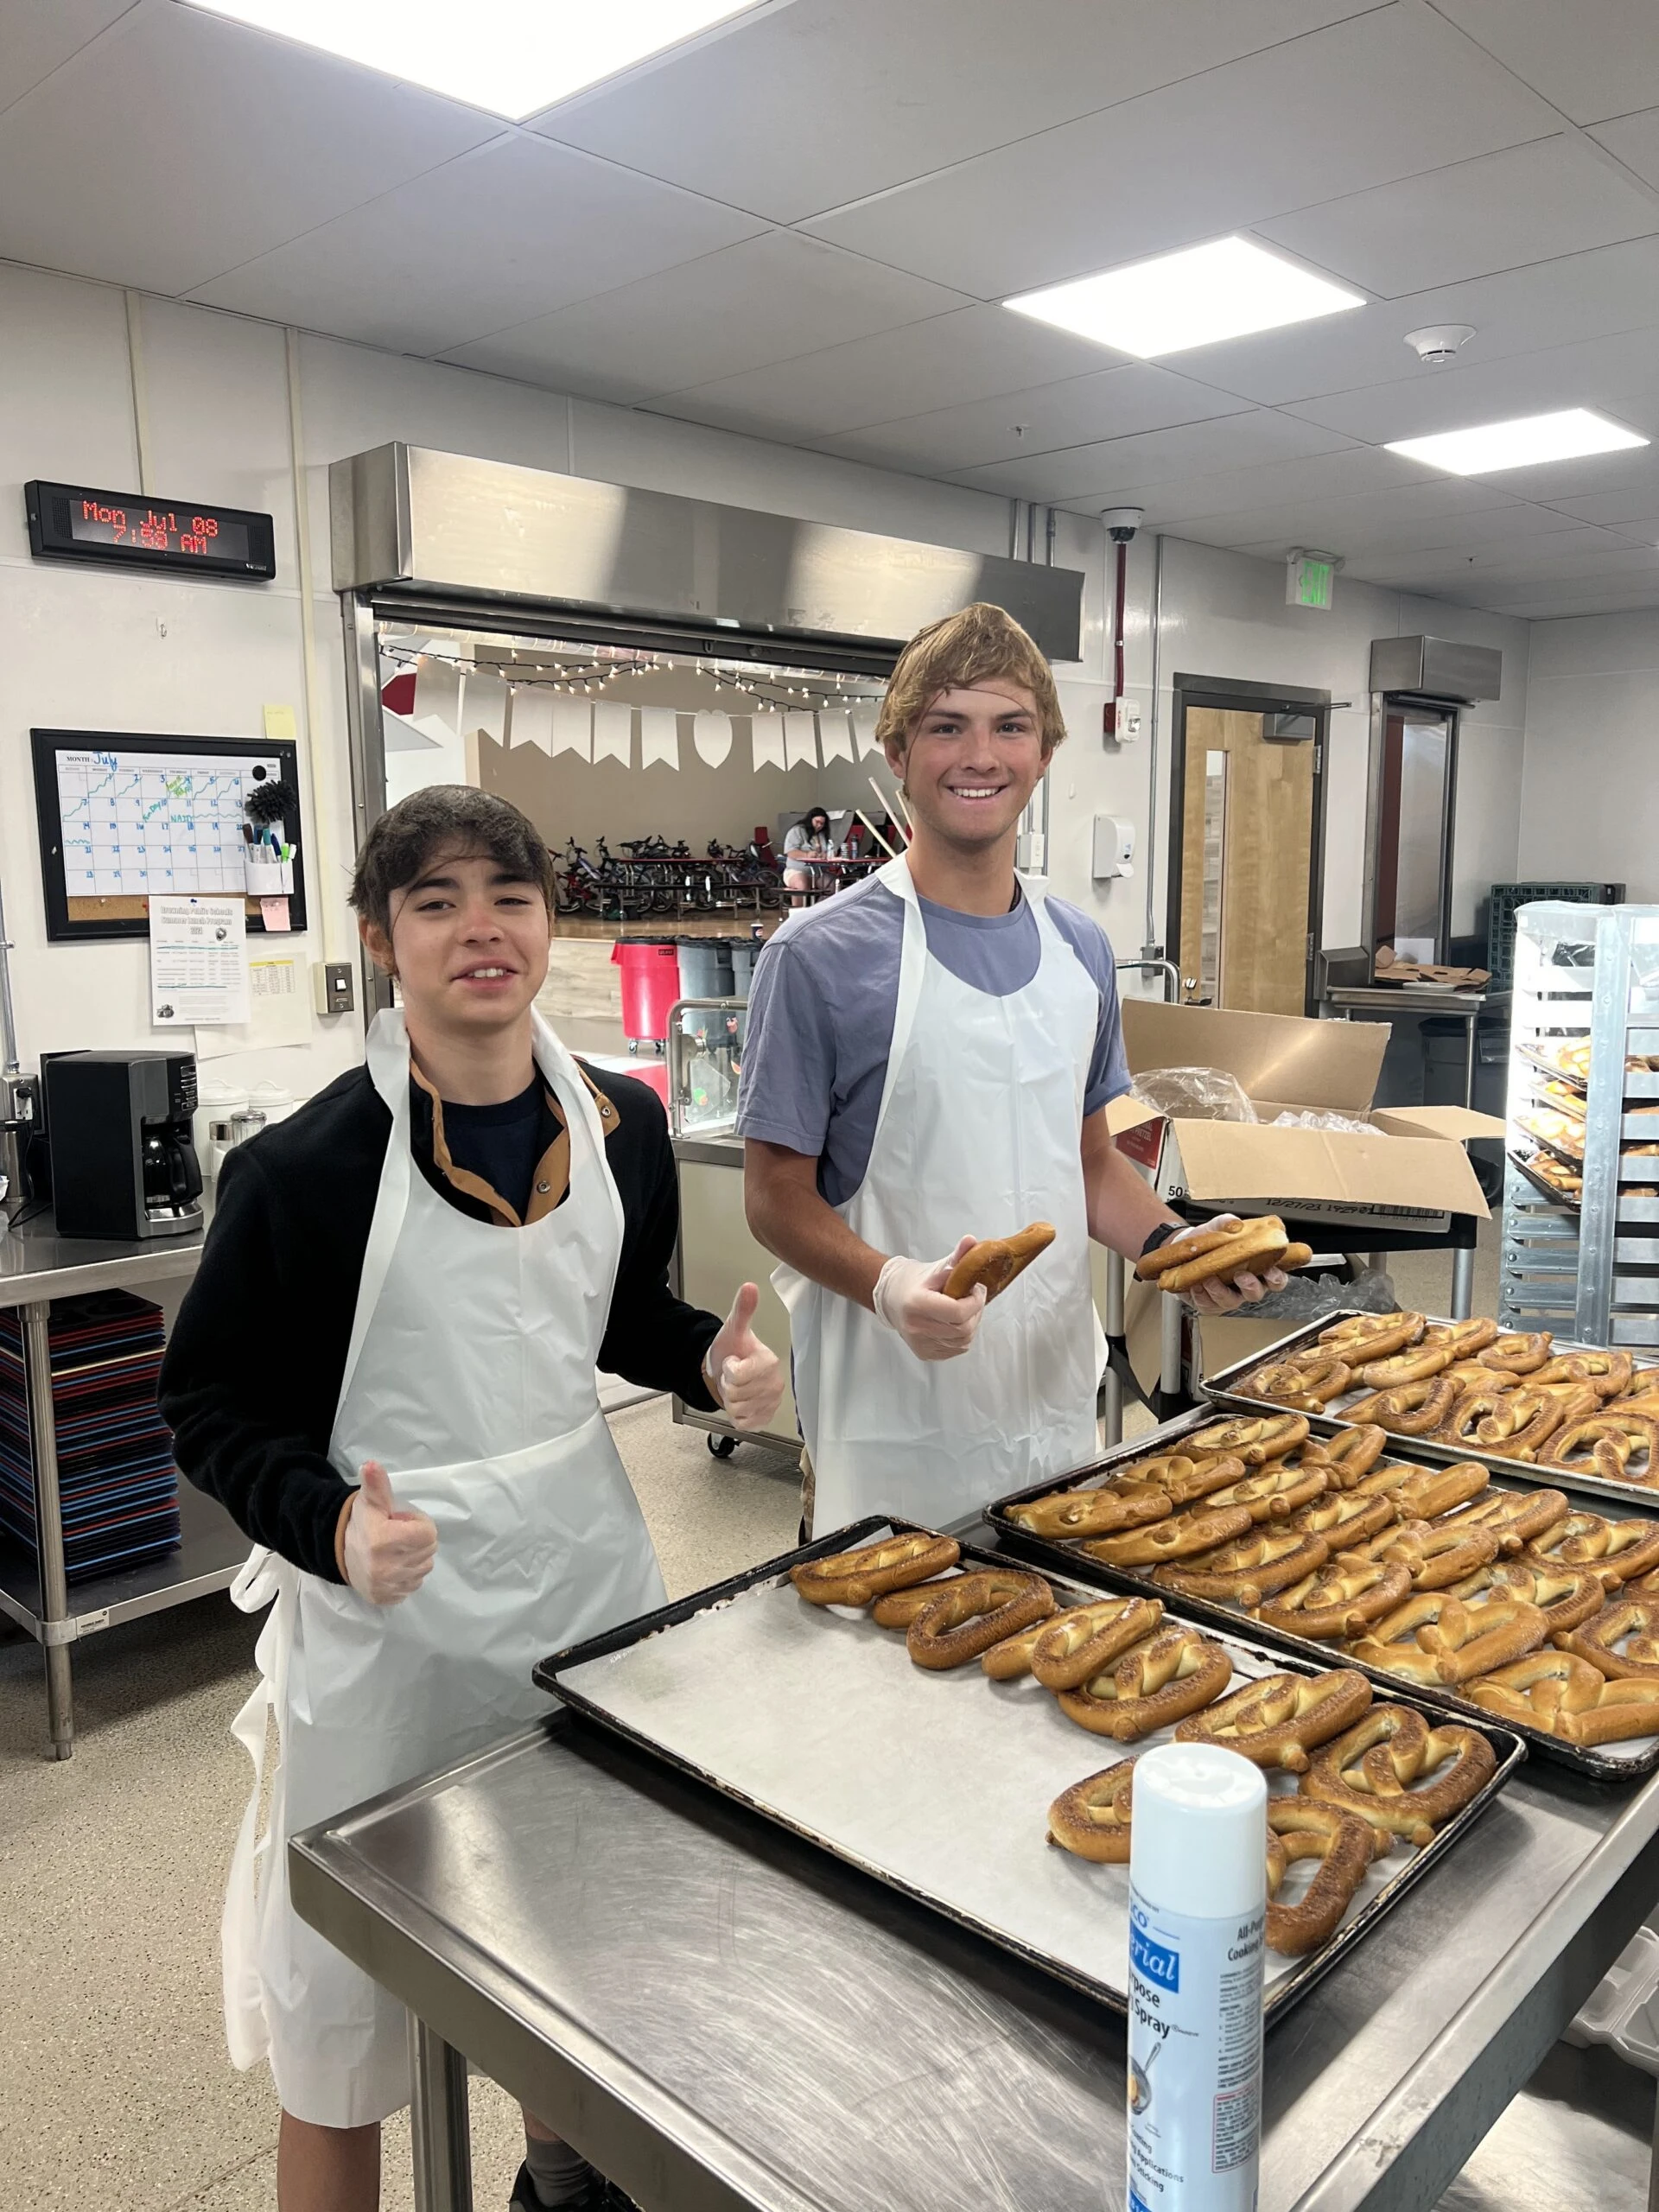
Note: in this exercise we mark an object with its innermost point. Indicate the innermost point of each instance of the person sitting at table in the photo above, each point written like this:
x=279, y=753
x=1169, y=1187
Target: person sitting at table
x=811, y=834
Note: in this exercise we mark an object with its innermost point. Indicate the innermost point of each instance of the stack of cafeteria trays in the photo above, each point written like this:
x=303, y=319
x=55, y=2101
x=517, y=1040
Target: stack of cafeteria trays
x=116, y=1477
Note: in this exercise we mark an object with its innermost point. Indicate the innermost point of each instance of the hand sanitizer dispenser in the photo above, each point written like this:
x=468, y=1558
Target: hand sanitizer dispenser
x=1113, y=847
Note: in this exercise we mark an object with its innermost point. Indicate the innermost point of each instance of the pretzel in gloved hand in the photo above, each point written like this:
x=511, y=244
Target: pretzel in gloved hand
x=1155, y=1683
x=1373, y=1772
x=995, y=1261
x=1277, y=1718
x=909, y=1298
x=1219, y=1251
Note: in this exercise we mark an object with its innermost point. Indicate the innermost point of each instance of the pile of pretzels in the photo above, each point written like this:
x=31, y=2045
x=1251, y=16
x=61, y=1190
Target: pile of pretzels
x=1467, y=1384
x=1370, y=1775
x=1511, y=1599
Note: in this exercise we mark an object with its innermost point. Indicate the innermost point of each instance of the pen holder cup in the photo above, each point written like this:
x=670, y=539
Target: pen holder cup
x=269, y=879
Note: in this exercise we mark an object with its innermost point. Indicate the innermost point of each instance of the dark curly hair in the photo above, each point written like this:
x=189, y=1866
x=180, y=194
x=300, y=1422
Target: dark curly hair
x=445, y=818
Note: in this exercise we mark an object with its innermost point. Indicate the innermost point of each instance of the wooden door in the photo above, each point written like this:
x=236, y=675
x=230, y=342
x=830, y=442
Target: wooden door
x=1247, y=844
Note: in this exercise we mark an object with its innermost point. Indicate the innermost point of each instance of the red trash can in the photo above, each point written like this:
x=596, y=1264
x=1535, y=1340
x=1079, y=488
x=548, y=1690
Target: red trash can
x=651, y=983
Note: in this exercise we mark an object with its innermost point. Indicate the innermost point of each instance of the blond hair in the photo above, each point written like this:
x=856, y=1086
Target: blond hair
x=958, y=653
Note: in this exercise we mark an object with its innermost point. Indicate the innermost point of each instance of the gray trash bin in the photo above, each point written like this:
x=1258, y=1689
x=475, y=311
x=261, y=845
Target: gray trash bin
x=705, y=968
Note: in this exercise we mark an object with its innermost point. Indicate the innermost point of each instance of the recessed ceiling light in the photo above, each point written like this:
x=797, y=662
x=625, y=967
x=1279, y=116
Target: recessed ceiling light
x=511, y=57
x=1523, y=444
x=1205, y=292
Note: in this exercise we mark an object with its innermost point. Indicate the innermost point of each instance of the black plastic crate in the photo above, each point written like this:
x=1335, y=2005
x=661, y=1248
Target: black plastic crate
x=1503, y=900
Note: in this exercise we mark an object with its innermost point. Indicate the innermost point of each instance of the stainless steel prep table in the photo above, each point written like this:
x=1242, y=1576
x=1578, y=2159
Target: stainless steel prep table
x=721, y=2016
x=36, y=1266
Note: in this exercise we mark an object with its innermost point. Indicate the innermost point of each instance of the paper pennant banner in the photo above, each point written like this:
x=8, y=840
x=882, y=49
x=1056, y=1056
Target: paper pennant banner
x=766, y=740
x=835, y=734
x=800, y=739
x=573, y=726
x=483, y=705
x=863, y=720
x=712, y=735
x=613, y=731
x=659, y=737
x=437, y=693
x=531, y=722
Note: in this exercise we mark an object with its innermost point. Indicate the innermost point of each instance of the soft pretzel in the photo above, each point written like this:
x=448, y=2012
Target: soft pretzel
x=995, y=1261
x=1092, y=1817
x=1307, y=1385
x=1475, y=1374
x=1520, y=1353
x=1115, y=1506
x=1373, y=1336
x=1345, y=1518
x=1564, y=1595
x=1480, y=1417
x=899, y=1607
x=1350, y=1455
x=1217, y=1254
x=1634, y=1621
x=1299, y=1827
x=1275, y=1491
x=1182, y=1535
x=1434, y=1553
x=1458, y=1640
x=1080, y=1644
x=1517, y=1516
x=1565, y=1695
x=1250, y=1569
x=854, y=1577
x=975, y=1611
x=1188, y=1479
x=1156, y=1682
x=1007, y=1660
x=1429, y=1491
x=1617, y=1551
x=1253, y=1438
x=1342, y=1598
x=1645, y=1383
x=1373, y=1772
x=1607, y=1373
x=1417, y=1364
x=1407, y=1408
x=1277, y=1719
x=1462, y=1339
x=1604, y=1443
x=1533, y=1418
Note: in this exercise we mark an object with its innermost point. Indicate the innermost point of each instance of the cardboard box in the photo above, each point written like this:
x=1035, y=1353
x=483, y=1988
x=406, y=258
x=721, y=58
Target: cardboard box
x=1409, y=1169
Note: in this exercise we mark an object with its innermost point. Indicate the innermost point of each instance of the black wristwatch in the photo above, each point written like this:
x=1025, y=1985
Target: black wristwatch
x=1161, y=1235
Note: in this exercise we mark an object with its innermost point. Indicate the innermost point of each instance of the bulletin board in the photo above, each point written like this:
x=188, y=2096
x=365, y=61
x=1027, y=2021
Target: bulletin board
x=123, y=814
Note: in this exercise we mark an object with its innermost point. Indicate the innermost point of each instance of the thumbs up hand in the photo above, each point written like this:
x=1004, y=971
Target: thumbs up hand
x=743, y=1373
x=388, y=1549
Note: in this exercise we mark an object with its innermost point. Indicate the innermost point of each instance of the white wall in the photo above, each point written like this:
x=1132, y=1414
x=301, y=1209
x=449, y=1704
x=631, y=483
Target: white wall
x=1224, y=616
x=1590, y=798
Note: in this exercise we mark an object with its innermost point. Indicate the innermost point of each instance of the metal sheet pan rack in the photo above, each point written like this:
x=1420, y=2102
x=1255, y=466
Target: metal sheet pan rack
x=1586, y=975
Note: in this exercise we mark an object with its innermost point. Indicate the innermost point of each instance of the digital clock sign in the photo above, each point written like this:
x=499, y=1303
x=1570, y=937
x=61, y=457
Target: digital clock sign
x=130, y=530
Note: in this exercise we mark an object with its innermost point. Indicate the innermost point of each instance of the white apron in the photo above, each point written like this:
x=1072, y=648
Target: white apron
x=980, y=1131
x=470, y=1375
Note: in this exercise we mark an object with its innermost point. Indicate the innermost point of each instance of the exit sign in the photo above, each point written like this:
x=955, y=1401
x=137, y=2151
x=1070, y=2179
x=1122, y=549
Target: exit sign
x=1310, y=581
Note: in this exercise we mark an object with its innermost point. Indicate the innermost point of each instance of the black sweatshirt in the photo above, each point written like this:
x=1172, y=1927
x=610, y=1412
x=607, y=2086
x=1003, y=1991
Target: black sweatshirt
x=253, y=1366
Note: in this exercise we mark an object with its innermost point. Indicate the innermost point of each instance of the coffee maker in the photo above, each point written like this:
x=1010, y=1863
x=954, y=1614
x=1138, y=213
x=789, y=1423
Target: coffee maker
x=123, y=1154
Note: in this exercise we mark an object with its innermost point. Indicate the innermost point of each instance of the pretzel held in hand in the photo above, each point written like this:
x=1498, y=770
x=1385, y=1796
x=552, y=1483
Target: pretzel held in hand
x=995, y=1261
x=1155, y=1683
x=1372, y=1770
x=1218, y=1255
x=855, y=1578
x=1277, y=1719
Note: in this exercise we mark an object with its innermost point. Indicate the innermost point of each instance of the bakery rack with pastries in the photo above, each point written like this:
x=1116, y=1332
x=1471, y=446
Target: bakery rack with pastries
x=1515, y=1601
x=1468, y=1385
x=1364, y=1778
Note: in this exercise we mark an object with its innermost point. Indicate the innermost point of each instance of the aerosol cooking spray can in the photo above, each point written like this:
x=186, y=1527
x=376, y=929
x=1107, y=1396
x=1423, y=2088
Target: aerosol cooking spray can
x=1198, y=1909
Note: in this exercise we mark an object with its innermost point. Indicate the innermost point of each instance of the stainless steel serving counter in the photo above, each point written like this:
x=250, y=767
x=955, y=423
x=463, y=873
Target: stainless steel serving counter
x=36, y=1266
x=718, y=2016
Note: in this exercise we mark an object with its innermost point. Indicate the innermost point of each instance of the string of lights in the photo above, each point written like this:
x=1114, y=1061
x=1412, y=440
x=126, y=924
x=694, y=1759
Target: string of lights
x=754, y=690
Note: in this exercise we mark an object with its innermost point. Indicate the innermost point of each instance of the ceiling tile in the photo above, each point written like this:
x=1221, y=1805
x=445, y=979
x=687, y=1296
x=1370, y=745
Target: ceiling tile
x=180, y=144
x=1635, y=474
x=1526, y=203
x=1226, y=150
x=829, y=100
x=516, y=228
x=40, y=36
x=1108, y=469
x=1582, y=296
x=764, y=300
x=1635, y=503
x=1592, y=57
x=1170, y=494
x=1115, y=403
x=946, y=361
x=1635, y=140
x=1355, y=528
x=1612, y=373
x=1560, y=553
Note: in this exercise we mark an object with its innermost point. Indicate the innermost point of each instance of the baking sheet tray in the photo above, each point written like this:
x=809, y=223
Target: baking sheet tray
x=936, y=1783
x=1225, y=1390
x=1542, y=1185
x=1627, y=1761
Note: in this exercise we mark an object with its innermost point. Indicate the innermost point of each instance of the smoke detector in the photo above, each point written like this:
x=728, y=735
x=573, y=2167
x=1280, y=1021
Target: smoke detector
x=1439, y=342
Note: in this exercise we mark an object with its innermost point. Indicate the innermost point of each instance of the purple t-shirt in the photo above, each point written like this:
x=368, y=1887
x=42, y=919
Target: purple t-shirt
x=821, y=1005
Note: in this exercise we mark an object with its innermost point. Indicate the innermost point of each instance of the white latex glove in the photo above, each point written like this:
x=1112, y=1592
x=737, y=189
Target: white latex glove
x=1218, y=1297
x=909, y=1296
x=745, y=1374
x=388, y=1549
